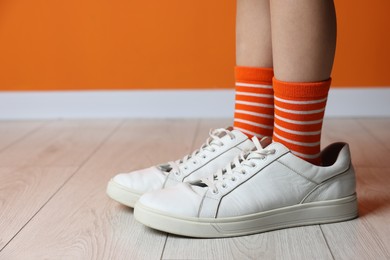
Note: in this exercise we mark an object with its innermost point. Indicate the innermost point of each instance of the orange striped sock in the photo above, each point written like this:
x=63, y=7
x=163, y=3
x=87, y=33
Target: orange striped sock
x=299, y=112
x=254, y=109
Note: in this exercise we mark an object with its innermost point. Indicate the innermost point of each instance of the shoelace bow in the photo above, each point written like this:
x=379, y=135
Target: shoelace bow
x=213, y=140
x=244, y=160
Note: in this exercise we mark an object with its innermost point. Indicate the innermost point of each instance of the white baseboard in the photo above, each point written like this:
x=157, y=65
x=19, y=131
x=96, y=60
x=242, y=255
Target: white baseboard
x=342, y=102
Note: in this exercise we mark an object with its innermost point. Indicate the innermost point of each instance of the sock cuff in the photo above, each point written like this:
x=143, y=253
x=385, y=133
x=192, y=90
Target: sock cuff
x=254, y=75
x=301, y=89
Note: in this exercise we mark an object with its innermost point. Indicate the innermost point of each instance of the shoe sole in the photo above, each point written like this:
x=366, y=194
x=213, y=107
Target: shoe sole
x=298, y=215
x=122, y=194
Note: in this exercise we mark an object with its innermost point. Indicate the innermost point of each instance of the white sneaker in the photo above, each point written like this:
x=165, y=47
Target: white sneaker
x=270, y=188
x=220, y=148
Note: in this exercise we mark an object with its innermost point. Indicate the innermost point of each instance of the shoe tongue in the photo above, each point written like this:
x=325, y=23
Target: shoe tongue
x=223, y=133
x=265, y=141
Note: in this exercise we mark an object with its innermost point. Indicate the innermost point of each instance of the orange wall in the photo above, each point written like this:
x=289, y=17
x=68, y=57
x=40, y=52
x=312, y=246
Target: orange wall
x=126, y=44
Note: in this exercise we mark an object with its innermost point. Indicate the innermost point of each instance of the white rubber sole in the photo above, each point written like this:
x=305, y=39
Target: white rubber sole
x=298, y=215
x=122, y=194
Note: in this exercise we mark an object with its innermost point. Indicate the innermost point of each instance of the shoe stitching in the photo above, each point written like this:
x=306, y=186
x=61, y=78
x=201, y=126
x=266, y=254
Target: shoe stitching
x=201, y=204
x=238, y=185
x=173, y=179
x=325, y=182
x=295, y=171
x=338, y=174
x=165, y=181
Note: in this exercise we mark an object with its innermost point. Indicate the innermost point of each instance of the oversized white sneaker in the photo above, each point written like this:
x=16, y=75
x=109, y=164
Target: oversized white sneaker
x=220, y=148
x=269, y=188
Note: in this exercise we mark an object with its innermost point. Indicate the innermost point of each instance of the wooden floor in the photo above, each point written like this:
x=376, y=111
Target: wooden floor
x=53, y=205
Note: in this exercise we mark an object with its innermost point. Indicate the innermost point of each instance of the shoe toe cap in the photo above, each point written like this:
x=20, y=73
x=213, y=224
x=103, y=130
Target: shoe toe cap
x=179, y=200
x=142, y=180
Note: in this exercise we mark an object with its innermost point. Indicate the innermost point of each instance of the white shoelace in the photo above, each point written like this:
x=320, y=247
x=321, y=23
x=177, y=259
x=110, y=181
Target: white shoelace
x=214, y=140
x=239, y=165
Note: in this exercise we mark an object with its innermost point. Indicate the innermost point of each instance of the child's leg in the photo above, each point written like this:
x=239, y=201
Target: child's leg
x=304, y=40
x=253, y=34
x=254, y=94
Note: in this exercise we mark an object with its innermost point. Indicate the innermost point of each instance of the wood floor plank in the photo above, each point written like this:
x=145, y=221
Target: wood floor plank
x=379, y=128
x=81, y=222
x=26, y=187
x=293, y=243
x=360, y=141
x=12, y=131
x=23, y=191
x=58, y=143
x=367, y=237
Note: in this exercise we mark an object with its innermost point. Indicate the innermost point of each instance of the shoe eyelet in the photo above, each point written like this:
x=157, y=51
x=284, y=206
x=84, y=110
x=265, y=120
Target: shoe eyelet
x=224, y=185
x=213, y=151
x=214, y=192
x=233, y=179
x=194, y=162
x=185, y=168
x=253, y=165
x=243, y=172
x=204, y=156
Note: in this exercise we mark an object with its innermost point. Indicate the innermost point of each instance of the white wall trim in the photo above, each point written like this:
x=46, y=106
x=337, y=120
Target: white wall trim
x=342, y=102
